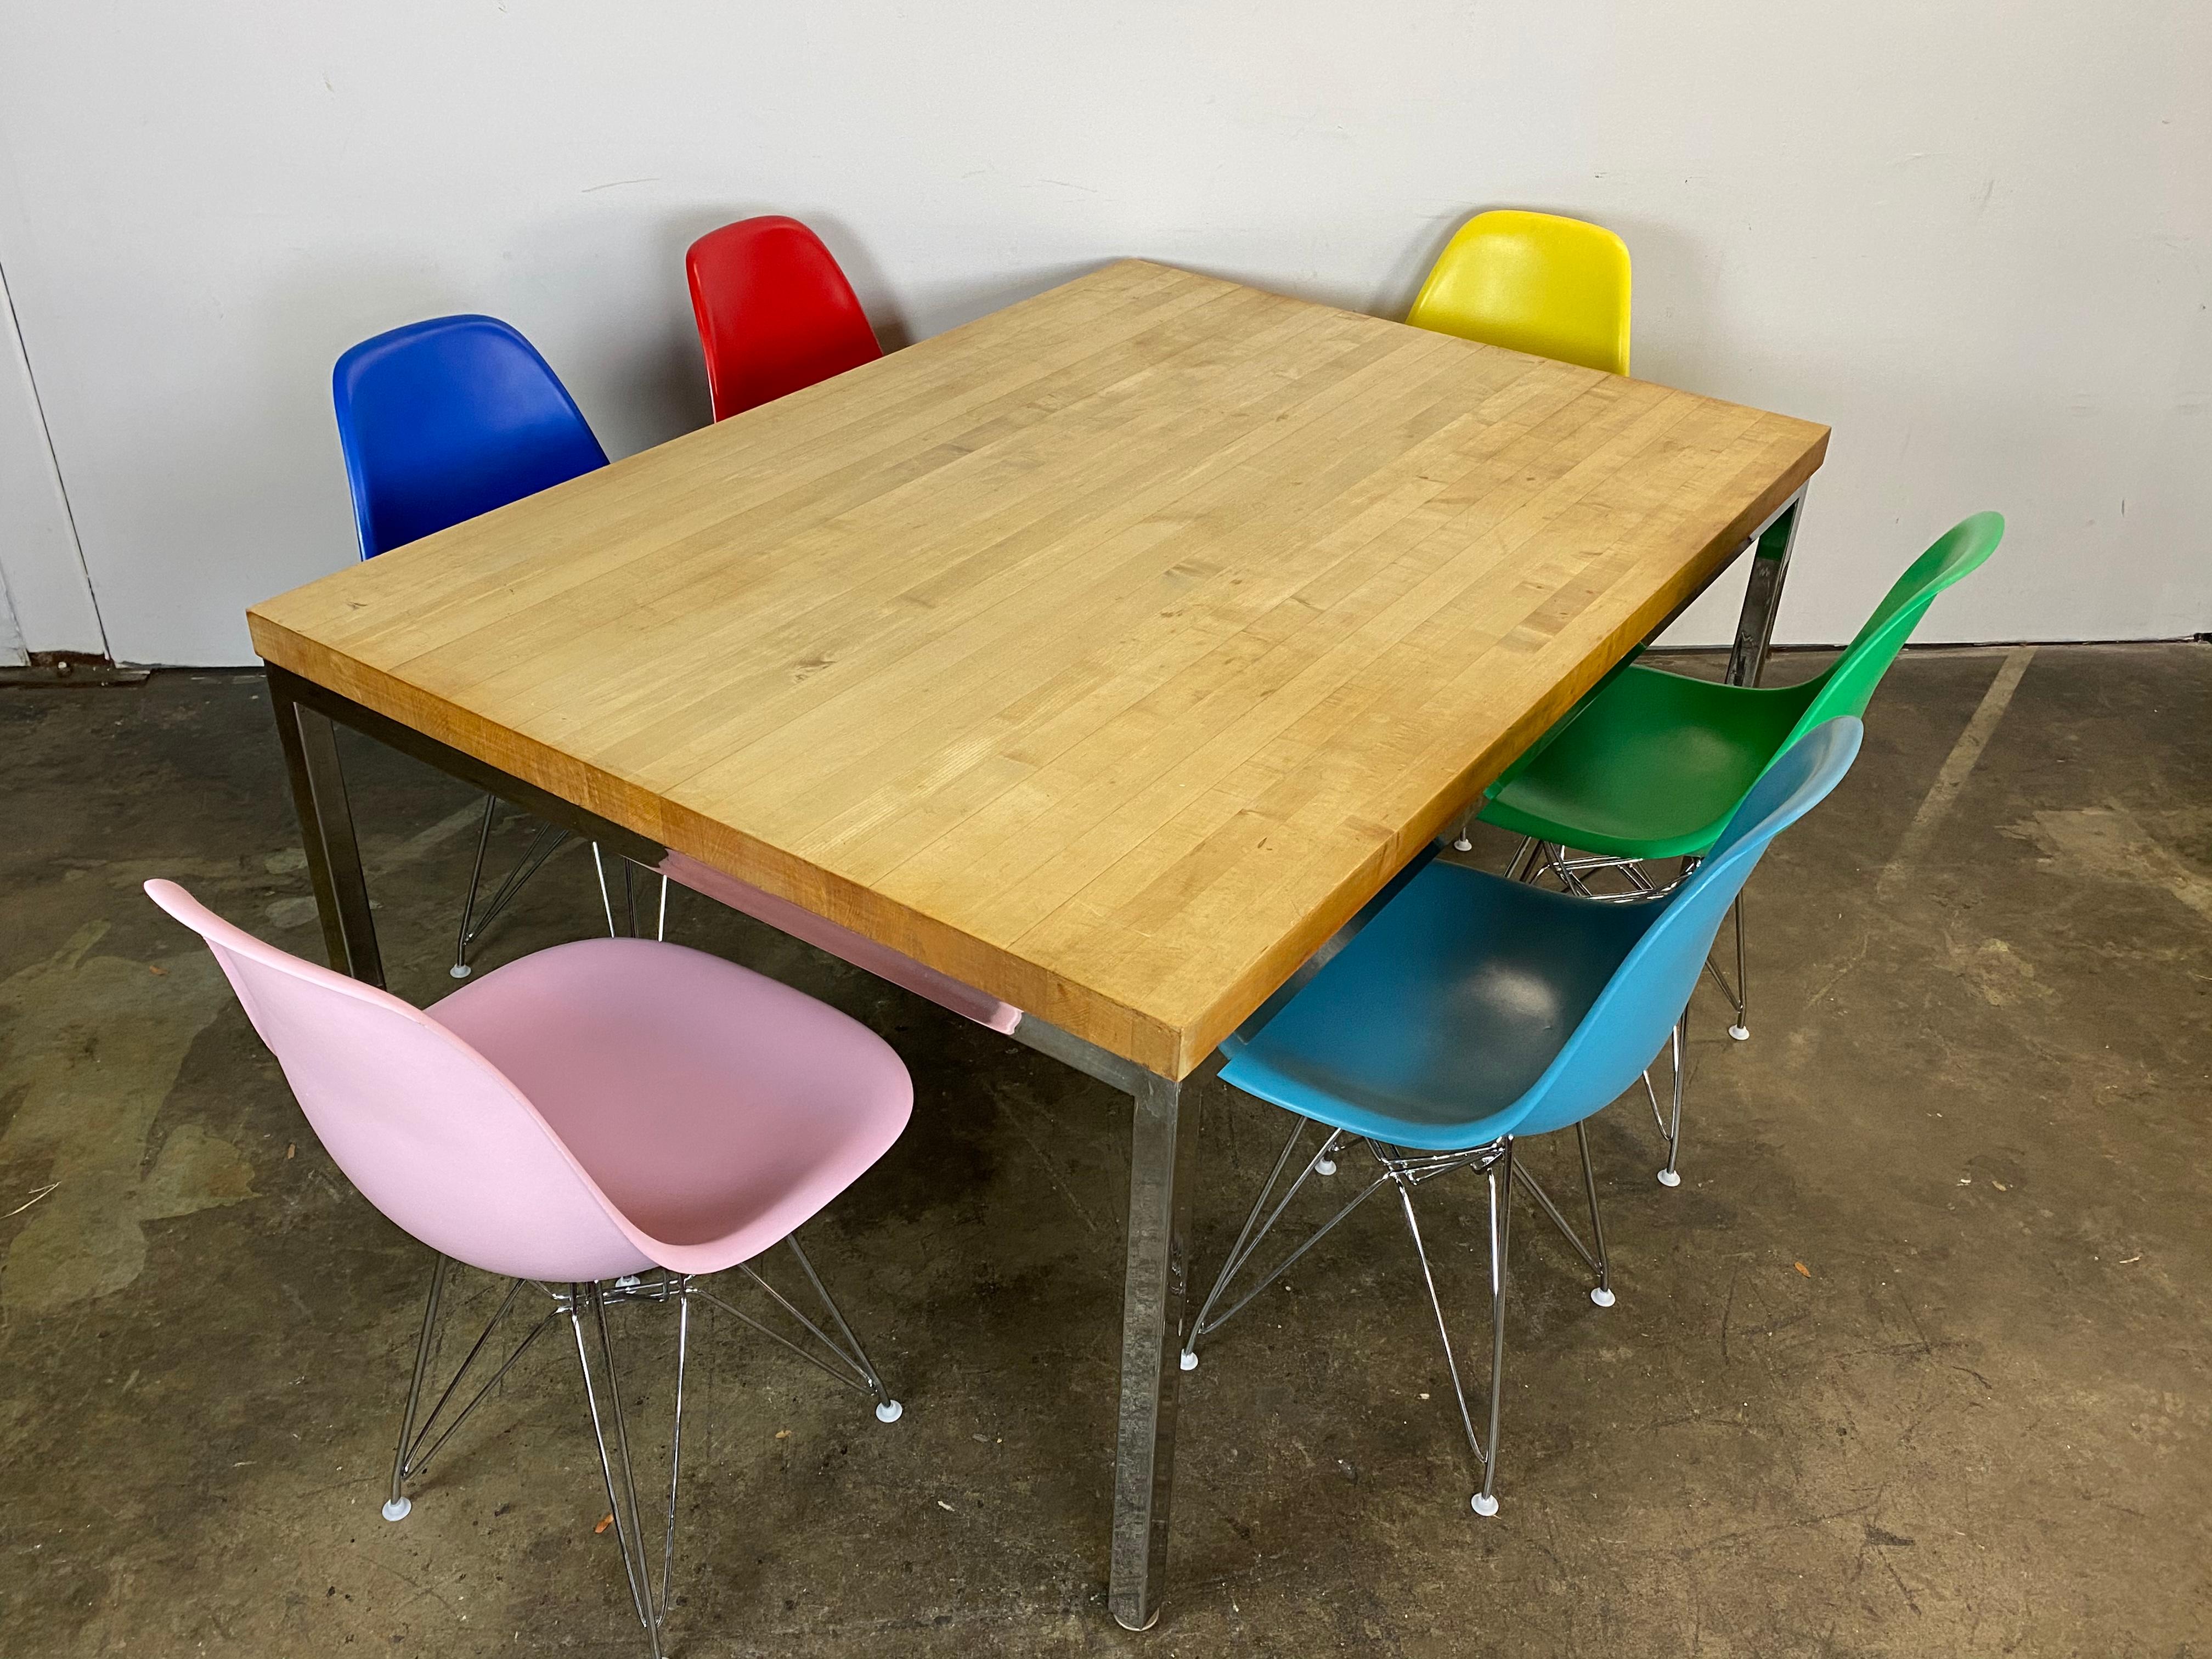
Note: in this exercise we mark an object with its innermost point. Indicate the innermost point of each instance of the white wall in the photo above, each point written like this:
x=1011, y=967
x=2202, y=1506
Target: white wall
x=1974, y=237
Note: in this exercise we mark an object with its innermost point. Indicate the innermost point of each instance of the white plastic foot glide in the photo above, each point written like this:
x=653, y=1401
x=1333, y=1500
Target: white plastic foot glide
x=1603, y=1297
x=1462, y=845
x=1740, y=1033
x=1483, y=1504
x=1325, y=1166
x=889, y=1410
x=1670, y=1177
x=397, y=1510
x=1188, y=1361
x=460, y=970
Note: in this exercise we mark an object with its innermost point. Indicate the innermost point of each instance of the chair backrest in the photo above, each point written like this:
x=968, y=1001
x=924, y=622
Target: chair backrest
x=1533, y=282
x=443, y=419
x=776, y=313
x=1648, y=992
x=432, y=1135
x=1849, y=685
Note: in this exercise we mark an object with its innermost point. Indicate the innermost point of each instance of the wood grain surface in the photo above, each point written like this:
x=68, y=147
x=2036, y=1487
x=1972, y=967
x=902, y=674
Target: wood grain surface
x=1106, y=653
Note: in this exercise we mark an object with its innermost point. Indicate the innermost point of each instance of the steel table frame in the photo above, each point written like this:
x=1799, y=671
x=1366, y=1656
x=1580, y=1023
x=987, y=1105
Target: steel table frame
x=1164, y=1125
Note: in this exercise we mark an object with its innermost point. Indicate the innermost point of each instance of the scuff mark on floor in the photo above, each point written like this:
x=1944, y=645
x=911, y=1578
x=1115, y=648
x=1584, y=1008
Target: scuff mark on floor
x=2111, y=842
x=95, y=1043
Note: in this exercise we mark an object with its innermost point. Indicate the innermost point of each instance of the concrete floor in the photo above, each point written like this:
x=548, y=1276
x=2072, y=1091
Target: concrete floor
x=1913, y=1362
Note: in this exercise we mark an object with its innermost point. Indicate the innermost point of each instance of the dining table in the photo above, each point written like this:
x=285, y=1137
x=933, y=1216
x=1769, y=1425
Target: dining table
x=1089, y=669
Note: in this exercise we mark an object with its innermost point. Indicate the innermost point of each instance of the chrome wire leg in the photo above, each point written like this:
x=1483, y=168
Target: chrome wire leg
x=1499, y=1175
x=460, y=968
x=1669, y=1176
x=1603, y=1294
x=1501, y=1216
x=676, y=1440
x=614, y=1462
x=397, y=1505
x=888, y=1409
x=851, y=1366
x=1741, y=1029
x=1247, y=1240
x=548, y=840
x=1523, y=866
x=416, y=1465
x=606, y=898
x=1593, y=1258
x=629, y=900
x=1255, y=1230
x=1570, y=878
x=1238, y=1251
x=412, y=1459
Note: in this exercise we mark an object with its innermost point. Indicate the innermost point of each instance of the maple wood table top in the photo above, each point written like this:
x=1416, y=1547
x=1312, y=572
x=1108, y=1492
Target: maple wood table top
x=1106, y=653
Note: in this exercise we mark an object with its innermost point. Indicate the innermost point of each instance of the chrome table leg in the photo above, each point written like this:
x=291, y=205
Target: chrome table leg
x=1155, y=1282
x=1762, y=594
x=319, y=794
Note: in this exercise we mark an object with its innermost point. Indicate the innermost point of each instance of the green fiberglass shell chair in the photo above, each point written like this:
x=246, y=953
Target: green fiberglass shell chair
x=1651, y=765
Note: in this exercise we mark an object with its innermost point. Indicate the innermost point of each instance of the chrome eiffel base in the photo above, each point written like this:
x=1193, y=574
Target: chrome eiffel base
x=1404, y=1169
x=584, y=1306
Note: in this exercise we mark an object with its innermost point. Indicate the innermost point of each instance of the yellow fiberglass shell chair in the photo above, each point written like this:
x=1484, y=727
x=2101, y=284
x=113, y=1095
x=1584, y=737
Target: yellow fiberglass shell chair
x=1535, y=282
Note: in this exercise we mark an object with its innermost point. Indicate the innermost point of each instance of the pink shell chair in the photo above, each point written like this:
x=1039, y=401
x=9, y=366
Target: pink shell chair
x=593, y=1113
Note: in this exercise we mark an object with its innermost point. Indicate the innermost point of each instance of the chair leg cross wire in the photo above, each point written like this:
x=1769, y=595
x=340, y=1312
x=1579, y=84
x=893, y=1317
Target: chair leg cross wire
x=1533, y=859
x=585, y=1306
x=549, y=838
x=1404, y=1170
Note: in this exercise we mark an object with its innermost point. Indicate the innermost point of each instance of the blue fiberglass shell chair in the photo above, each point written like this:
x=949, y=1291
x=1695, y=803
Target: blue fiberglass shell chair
x=444, y=419
x=1472, y=1010
x=440, y=422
